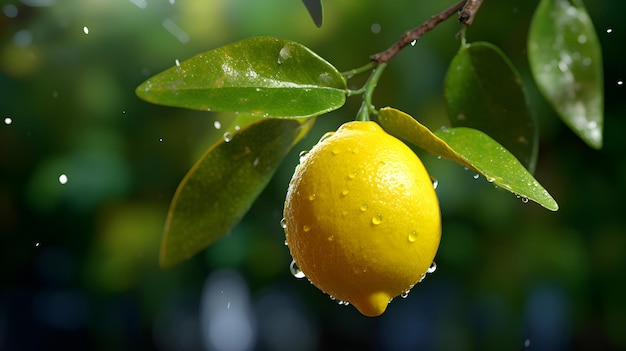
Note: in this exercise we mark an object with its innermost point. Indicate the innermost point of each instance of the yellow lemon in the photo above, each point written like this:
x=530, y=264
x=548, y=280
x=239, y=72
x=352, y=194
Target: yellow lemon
x=361, y=217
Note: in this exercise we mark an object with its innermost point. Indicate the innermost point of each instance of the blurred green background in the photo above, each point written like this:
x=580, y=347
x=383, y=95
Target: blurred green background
x=87, y=171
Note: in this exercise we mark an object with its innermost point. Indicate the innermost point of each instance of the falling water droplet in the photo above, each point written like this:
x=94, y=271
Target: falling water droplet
x=63, y=179
x=85, y=30
x=377, y=220
x=177, y=63
x=413, y=42
x=160, y=139
x=295, y=271
x=283, y=223
x=37, y=243
x=432, y=268
x=8, y=120
x=620, y=82
x=609, y=30
x=343, y=303
x=228, y=136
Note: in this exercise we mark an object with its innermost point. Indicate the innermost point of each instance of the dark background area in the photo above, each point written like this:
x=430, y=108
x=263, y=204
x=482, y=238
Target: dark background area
x=79, y=258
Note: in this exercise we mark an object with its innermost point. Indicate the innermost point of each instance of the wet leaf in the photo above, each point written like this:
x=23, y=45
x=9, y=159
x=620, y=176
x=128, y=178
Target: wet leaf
x=484, y=91
x=220, y=188
x=265, y=77
x=566, y=62
x=470, y=148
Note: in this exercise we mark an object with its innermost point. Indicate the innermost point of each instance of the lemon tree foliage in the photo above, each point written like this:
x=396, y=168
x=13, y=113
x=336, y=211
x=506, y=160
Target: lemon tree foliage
x=223, y=184
x=266, y=77
x=472, y=149
x=566, y=60
x=279, y=87
x=484, y=91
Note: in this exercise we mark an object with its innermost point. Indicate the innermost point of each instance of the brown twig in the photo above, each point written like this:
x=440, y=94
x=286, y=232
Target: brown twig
x=467, y=10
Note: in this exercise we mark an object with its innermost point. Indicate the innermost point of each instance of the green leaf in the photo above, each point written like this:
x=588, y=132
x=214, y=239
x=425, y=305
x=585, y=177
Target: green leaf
x=566, y=62
x=315, y=10
x=265, y=77
x=220, y=188
x=484, y=91
x=470, y=148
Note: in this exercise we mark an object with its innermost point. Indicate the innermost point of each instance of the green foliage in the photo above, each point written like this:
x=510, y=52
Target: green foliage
x=220, y=188
x=265, y=77
x=484, y=91
x=494, y=132
x=566, y=62
x=472, y=149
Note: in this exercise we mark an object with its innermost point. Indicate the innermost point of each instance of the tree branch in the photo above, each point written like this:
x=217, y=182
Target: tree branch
x=467, y=10
x=466, y=16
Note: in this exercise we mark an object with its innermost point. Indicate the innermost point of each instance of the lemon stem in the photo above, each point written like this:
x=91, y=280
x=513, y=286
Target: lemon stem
x=356, y=71
x=367, y=107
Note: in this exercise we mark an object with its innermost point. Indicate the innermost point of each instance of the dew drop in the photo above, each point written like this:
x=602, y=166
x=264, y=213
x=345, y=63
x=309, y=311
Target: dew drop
x=344, y=192
x=63, y=179
x=491, y=179
x=237, y=127
x=343, y=303
x=217, y=125
x=363, y=208
x=336, y=151
x=306, y=228
x=303, y=154
x=228, y=136
x=405, y=294
x=377, y=220
x=286, y=243
x=332, y=297
x=295, y=271
x=412, y=236
x=283, y=223
x=476, y=176
x=432, y=268
x=435, y=182
x=331, y=238
x=524, y=199
x=311, y=197
x=352, y=175
x=325, y=136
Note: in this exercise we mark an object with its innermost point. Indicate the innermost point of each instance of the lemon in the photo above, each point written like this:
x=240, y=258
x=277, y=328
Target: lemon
x=361, y=217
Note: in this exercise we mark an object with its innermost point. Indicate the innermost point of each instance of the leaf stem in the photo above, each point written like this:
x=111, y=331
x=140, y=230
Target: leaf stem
x=356, y=71
x=367, y=107
x=467, y=10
